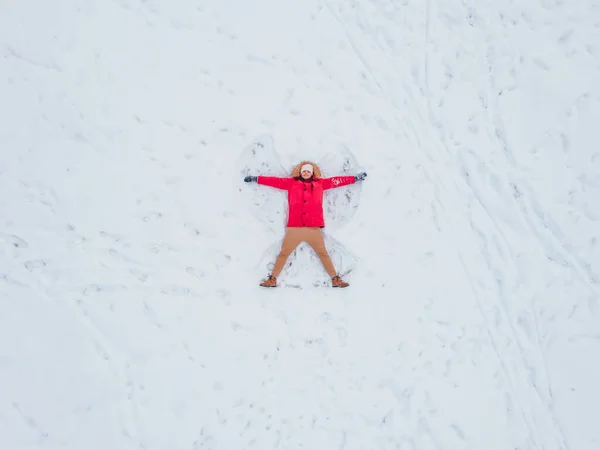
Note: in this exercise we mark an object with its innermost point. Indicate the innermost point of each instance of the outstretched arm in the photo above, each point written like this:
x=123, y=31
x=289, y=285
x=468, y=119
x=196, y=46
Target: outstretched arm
x=275, y=182
x=336, y=182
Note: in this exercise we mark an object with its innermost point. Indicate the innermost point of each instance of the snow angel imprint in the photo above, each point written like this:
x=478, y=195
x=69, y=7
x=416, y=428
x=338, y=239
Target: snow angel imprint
x=305, y=222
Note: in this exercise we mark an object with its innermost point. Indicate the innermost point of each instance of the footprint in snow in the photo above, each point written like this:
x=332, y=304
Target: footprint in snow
x=121, y=256
x=343, y=336
x=198, y=273
x=155, y=215
x=14, y=241
x=175, y=290
x=10, y=280
x=35, y=264
x=140, y=275
x=114, y=237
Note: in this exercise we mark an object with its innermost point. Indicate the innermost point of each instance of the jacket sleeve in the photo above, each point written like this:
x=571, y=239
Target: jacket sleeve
x=276, y=182
x=336, y=182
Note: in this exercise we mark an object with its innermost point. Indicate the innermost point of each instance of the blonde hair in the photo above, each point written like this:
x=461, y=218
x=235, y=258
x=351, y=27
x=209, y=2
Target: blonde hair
x=316, y=170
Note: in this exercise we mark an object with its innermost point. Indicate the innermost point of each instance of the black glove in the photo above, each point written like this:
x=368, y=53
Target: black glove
x=361, y=176
x=250, y=179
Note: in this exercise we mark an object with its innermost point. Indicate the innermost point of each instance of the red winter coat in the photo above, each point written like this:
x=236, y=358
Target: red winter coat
x=305, y=198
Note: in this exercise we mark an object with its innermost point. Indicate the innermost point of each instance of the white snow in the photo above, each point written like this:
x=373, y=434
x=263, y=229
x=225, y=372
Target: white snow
x=130, y=256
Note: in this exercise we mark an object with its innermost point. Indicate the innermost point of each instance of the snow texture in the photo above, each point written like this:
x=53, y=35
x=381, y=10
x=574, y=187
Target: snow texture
x=131, y=250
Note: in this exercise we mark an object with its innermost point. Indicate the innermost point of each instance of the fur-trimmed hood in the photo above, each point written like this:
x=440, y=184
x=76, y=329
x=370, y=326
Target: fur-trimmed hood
x=316, y=170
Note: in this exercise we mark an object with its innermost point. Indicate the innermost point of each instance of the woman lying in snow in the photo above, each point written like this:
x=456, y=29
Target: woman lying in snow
x=305, y=198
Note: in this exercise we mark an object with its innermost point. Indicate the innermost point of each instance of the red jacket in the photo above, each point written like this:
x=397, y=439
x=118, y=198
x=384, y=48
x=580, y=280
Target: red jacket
x=305, y=198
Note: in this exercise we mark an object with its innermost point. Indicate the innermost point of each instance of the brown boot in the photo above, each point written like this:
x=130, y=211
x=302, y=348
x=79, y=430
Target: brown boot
x=338, y=282
x=271, y=281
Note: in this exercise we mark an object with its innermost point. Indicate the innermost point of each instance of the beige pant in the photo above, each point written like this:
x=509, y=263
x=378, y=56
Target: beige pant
x=294, y=236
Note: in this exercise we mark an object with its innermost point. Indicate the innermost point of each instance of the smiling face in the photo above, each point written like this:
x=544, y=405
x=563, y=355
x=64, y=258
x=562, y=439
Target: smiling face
x=306, y=174
x=306, y=171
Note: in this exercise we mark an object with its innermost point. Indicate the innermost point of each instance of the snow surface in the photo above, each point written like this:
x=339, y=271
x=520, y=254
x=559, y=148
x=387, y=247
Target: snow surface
x=130, y=312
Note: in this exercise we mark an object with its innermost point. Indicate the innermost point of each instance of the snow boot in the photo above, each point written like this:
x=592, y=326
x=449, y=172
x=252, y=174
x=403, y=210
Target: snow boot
x=271, y=281
x=338, y=282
